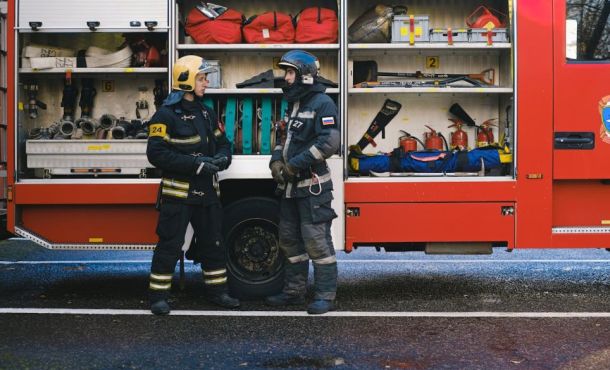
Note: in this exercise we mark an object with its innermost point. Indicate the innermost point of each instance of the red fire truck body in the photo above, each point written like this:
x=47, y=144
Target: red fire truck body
x=561, y=198
x=554, y=197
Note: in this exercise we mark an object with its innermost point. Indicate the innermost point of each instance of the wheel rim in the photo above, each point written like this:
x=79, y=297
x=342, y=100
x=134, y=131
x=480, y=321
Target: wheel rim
x=253, y=251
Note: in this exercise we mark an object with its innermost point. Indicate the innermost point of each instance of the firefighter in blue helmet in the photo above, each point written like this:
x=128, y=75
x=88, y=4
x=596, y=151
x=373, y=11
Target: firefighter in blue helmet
x=298, y=165
x=187, y=143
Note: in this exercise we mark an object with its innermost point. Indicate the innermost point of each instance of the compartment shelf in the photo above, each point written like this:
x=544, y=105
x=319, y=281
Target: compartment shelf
x=257, y=47
x=87, y=30
x=431, y=90
x=255, y=91
x=430, y=46
x=418, y=179
x=150, y=70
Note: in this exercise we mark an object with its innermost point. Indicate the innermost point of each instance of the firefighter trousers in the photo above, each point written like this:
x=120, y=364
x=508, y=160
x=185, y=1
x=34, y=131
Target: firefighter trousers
x=304, y=234
x=207, y=246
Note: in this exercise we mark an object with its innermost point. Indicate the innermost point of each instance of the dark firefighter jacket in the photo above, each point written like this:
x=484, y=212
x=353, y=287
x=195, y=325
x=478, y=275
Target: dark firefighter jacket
x=313, y=135
x=177, y=135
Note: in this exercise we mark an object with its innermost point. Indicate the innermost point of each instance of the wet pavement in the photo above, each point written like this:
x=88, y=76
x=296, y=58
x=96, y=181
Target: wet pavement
x=373, y=287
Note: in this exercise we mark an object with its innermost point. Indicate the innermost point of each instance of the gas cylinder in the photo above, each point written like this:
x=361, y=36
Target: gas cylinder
x=483, y=17
x=433, y=140
x=485, y=136
x=459, y=137
x=408, y=143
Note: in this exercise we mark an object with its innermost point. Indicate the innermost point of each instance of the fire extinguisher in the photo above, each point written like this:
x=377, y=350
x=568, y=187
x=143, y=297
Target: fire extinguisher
x=459, y=137
x=434, y=140
x=485, y=136
x=408, y=143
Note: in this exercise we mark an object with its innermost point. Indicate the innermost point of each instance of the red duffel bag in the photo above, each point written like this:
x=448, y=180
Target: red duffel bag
x=317, y=26
x=269, y=28
x=224, y=29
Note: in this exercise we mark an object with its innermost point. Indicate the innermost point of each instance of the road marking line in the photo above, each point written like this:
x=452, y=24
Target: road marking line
x=474, y=261
x=111, y=262
x=94, y=262
x=77, y=311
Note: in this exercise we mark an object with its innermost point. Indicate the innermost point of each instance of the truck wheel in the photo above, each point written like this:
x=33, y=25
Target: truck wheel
x=254, y=260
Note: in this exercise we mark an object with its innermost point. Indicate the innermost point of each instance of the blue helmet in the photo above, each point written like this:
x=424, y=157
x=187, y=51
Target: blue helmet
x=305, y=64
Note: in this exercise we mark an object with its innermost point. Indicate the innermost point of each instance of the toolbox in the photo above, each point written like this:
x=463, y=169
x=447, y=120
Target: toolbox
x=442, y=35
x=403, y=24
x=480, y=35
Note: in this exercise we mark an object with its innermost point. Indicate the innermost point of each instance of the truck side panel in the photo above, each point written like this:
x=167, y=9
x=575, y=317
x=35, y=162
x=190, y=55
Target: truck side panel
x=535, y=118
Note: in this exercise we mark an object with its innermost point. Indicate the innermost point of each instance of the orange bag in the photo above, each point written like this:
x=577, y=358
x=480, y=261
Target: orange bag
x=317, y=25
x=269, y=28
x=225, y=29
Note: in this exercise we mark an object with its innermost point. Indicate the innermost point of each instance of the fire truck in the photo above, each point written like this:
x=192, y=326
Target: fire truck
x=523, y=81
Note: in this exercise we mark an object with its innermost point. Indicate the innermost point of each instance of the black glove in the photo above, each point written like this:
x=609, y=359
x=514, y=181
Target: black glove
x=289, y=173
x=277, y=169
x=205, y=165
x=221, y=161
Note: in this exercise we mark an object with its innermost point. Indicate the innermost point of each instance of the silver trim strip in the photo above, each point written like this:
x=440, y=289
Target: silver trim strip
x=582, y=230
x=307, y=115
x=43, y=242
x=326, y=260
x=316, y=153
x=300, y=258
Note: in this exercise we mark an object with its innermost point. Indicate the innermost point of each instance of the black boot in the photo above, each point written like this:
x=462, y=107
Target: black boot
x=158, y=302
x=284, y=299
x=224, y=300
x=320, y=306
x=160, y=307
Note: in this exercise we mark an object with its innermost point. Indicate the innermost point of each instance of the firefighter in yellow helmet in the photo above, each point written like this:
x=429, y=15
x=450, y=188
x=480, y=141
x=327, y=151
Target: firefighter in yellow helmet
x=188, y=144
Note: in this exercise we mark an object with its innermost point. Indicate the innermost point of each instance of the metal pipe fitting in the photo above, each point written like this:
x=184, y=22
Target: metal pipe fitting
x=107, y=121
x=67, y=128
x=122, y=130
x=87, y=124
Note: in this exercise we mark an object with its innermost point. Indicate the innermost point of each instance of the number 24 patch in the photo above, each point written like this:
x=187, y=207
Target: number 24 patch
x=157, y=129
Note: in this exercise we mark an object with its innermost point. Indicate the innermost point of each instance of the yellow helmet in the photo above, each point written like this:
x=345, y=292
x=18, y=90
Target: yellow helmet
x=186, y=69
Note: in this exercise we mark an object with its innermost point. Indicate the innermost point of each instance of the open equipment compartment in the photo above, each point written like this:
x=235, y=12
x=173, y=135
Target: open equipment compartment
x=428, y=79
x=87, y=85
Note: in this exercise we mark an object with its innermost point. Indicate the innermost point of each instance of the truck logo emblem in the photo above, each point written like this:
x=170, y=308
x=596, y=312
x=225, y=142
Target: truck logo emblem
x=604, y=111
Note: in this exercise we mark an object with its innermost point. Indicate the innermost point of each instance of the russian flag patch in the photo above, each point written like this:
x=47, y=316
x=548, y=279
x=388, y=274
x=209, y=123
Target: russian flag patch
x=328, y=121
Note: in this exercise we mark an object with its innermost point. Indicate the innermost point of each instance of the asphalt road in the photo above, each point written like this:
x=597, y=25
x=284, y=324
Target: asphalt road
x=521, y=310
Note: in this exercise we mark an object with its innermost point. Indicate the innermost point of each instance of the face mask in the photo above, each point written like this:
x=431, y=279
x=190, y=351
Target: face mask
x=295, y=91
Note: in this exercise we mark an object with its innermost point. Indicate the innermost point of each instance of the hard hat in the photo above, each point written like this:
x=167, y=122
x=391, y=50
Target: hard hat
x=305, y=64
x=186, y=69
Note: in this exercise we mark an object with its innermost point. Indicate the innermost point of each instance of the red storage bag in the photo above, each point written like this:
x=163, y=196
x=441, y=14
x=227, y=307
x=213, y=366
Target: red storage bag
x=317, y=26
x=269, y=28
x=224, y=29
